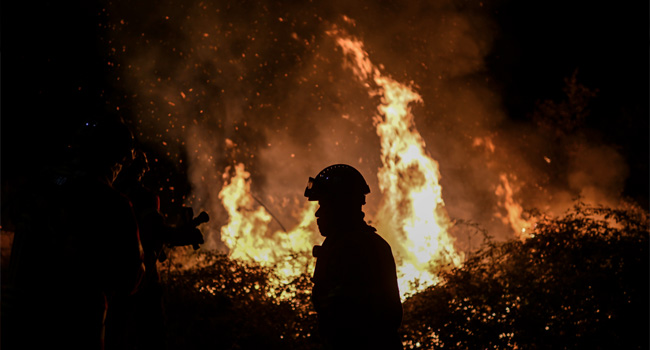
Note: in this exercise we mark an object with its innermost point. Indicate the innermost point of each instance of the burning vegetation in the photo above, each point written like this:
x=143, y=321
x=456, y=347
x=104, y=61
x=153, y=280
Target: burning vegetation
x=237, y=104
x=573, y=284
x=246, y=103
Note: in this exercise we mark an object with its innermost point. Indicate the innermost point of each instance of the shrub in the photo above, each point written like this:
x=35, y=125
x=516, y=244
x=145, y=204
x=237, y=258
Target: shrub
x=229, y=304
x=580, y=282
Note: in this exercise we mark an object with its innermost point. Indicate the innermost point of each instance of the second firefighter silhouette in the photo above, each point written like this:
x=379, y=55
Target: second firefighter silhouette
x=355, y=290
x=141, y=323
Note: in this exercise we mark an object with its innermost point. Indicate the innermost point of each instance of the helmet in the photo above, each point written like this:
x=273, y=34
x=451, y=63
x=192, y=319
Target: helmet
x=337, y=181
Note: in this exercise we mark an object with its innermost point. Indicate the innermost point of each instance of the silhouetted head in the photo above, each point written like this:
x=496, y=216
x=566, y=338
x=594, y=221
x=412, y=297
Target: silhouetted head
x=341, y=192
x=104, y=146
x=132, y=173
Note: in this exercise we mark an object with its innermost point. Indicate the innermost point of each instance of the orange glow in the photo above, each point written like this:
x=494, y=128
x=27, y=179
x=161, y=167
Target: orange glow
x=247, y=232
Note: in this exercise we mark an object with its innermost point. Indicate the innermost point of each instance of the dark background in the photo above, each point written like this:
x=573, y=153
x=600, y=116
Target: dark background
x=56, y=71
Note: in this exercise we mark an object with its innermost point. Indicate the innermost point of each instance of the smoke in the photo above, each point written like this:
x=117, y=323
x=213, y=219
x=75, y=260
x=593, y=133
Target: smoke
x=597, y=173
x=214, y=83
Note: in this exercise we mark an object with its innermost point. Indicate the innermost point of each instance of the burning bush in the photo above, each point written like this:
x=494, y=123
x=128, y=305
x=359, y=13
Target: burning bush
x=580, y=281
x=229, y=304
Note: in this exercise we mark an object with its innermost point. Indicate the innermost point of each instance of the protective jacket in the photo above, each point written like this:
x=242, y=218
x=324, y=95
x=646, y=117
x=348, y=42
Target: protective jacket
x=355, y=291
x=76, y=248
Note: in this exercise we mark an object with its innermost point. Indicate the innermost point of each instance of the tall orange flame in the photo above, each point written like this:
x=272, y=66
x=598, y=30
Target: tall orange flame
x=412, y=212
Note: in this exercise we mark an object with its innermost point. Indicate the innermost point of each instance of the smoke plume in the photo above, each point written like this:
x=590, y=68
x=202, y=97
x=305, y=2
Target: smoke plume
x=215, y=83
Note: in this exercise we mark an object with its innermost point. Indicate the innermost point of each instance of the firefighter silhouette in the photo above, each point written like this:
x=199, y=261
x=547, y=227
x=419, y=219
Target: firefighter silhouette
x=76, y=247
x=355, y=292
x=140, y=324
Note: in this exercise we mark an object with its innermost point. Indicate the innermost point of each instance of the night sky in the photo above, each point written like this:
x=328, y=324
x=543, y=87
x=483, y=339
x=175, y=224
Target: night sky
x=65, y=62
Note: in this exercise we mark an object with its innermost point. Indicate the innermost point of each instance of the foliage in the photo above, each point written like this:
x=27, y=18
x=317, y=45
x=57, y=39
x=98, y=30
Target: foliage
x=581, y=281
x=229, y=304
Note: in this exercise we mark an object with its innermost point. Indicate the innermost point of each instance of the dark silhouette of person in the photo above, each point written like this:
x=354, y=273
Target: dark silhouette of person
x=76, y=247
x=355, y=291
x=140, y=324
